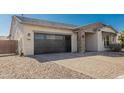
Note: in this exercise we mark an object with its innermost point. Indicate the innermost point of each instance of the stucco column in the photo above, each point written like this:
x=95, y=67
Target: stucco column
x=28, y=43
x=81, y=41
x=74, y=42
x=99, y=41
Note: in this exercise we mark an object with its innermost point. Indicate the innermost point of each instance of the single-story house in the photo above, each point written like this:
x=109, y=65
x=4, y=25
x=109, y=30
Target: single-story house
x=37, y=36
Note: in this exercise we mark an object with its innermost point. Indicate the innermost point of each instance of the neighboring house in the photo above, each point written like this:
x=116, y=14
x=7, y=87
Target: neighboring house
x=40, y=36
x=4, y=38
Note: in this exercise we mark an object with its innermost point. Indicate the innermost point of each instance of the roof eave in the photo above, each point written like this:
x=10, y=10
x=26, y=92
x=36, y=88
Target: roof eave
x=68, y=28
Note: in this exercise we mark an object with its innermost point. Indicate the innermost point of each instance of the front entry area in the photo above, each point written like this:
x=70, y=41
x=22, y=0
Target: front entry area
x=91, y=42
x=51, y=43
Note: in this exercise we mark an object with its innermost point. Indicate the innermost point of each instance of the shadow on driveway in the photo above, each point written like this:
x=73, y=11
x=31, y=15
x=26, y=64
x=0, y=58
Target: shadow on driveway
x=62, y=56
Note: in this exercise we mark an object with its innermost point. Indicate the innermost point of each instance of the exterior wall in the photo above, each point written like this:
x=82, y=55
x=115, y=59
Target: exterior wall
x=104, y=32
x=74, y=42
x=95, y=42
x=117, y=38
x=81, y=41
x=29, y=41
x=100, y=41
x=107, y=29
x=101, y=36
x=17, y=34
x=91, y=43
x=16, y=30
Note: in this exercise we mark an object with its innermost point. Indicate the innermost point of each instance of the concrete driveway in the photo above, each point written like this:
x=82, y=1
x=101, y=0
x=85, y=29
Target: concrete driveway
x=97, y=65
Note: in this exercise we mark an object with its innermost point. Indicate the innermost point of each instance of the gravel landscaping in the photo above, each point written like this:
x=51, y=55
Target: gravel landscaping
x=15, y=67
x=93, y=65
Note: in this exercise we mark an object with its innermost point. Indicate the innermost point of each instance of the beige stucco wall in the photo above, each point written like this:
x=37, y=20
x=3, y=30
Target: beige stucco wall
x=17, y=34
x=107, y=29
x=101, y=35
x=81, y=41
x=95, y=42
x=100, y=42
x=29, y=41
x=91, y=42
x=117, y=38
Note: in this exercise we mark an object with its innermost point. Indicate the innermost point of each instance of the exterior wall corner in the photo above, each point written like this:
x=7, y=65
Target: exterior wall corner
x=81, y=41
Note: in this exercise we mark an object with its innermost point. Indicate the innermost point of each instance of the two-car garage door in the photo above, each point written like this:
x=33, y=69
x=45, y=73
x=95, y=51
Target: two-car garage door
x=49, y=43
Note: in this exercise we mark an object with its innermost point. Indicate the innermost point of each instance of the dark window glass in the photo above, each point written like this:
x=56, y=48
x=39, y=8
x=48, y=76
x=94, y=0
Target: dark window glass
x=106, y=41
x=40, y=36
x=52, y=37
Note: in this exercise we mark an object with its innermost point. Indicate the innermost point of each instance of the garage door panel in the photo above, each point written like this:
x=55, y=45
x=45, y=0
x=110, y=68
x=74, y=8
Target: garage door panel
x=45, y=43
x=50, y=43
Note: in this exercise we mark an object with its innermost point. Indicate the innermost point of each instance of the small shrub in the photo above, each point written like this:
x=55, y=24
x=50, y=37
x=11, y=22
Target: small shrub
x=115, y=47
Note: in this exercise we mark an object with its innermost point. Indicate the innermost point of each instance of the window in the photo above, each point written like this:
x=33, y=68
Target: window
x=113, y=39
x=40, y=36
x=60, y=37
x=57, y=37
x=106, y=41
x=50, y=37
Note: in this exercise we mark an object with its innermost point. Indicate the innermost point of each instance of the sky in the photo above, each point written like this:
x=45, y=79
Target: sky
x=114, y=20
